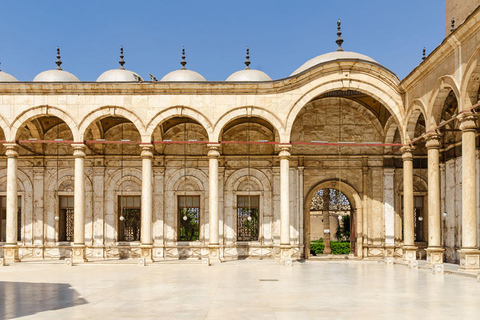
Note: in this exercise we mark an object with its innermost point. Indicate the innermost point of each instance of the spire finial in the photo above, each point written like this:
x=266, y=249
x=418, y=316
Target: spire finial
x=122, y=62
x=247, y=62
x=183, y=62
x=424, y=54
x=453, y=25
x=58, y=62
x=339, y=35
x=0, y=68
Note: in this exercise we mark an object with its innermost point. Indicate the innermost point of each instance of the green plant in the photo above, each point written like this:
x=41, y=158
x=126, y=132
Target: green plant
x=343, y=230
x=337, y=247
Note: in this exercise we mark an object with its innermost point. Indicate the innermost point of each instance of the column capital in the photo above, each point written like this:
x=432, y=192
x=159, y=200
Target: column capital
x=433, y=140
x=407, y=152
x=147, y=151
x=468, y=121
x=284, y=152
x=11, y=150
x=213, y=150
x=79, y=150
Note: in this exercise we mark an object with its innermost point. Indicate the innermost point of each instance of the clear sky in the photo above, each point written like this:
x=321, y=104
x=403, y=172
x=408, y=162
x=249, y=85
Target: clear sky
x=282, y=34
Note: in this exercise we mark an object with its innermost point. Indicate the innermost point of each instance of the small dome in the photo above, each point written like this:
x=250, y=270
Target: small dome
x=249, y=75
x=183, y=75
x=56, y=75
x=120, y=74
x=340, y=54
x=332, y=56
x=5, y=77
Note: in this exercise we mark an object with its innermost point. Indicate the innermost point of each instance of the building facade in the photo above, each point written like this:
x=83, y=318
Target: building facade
x=187, y=168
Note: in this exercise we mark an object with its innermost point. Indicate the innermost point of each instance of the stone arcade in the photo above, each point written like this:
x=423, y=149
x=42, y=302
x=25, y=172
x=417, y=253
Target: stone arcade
x=186, y=168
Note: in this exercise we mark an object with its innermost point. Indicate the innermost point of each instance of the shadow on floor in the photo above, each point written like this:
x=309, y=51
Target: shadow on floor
x=19, y=299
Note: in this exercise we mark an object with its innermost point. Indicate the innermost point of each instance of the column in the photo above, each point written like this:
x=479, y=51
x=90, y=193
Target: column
x=469, y=253
x=434, y=250
x=366, y=213
x=10, y=249
x=79, y=204
x=147, y=201
x=213, y=244
x=284, y=154
x=409, y=249
x=389, y=213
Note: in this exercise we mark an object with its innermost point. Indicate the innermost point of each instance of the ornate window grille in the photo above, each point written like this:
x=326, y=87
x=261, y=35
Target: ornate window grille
x=189, y=218
x=129, y=226
x=247, y=218
x=3, y=218
x=66, y=219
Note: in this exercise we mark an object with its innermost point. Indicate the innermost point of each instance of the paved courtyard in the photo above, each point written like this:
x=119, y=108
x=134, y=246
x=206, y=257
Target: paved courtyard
x=234, y=290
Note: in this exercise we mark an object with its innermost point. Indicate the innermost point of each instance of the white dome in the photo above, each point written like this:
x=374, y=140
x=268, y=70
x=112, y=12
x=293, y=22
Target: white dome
x=119, y=75
x=55, y=76
x=249, y=75
x=332, y=56
x=5, y=77
x=183, y=75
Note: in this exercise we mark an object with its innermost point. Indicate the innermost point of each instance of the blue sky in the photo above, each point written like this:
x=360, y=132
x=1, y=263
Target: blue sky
x=282, y=35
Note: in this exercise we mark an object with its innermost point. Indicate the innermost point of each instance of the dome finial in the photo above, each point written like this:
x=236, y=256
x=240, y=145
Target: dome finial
x=247, y=62
x=424, y=54
x=58, y=62
x=339, y=35
x=453, y=25
x=183, y=62
x=122, y=62
x=0, y=68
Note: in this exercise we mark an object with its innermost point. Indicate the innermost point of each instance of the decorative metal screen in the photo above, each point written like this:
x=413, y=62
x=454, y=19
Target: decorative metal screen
x=189, y=218
x=66, y=224
x=129, y=218
x=247, y=218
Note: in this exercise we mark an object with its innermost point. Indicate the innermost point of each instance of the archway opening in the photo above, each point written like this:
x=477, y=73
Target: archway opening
x=332, y=223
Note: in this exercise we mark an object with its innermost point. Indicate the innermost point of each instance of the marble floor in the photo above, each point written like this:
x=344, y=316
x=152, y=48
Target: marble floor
x=234, y=290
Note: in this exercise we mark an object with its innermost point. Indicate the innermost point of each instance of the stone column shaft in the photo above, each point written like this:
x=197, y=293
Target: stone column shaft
x=410, y=251
x=469, y=254
x=79, y=203
x=11, y=247
x=214, y=246
x=284, y=195
x=147, y=197
x=434, y=250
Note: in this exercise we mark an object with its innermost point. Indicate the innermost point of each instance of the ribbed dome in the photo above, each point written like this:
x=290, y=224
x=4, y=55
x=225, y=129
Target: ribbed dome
x=183, y=75
x=249, y=75
x=332, y=56
x=55, y=76
x=5, y=77
x=119, y=75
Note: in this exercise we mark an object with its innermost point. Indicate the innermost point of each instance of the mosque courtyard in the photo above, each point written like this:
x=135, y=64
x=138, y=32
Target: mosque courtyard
x=235, y=290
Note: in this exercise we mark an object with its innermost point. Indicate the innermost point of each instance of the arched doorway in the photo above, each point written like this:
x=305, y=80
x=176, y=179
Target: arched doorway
x=331, y=223
x=333, y=212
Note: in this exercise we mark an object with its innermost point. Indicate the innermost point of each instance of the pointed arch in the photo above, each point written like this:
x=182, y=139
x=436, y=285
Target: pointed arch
x=471, y=81
x=417, y=108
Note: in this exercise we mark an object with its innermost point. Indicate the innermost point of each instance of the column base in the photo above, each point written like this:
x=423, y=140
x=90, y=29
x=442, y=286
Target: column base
x=286, y=255
x=10, y=253
x=78, y=253
x=434, y=256
x=147, y=252
x=409, y=253
x=213, y=254
x=469, y=259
